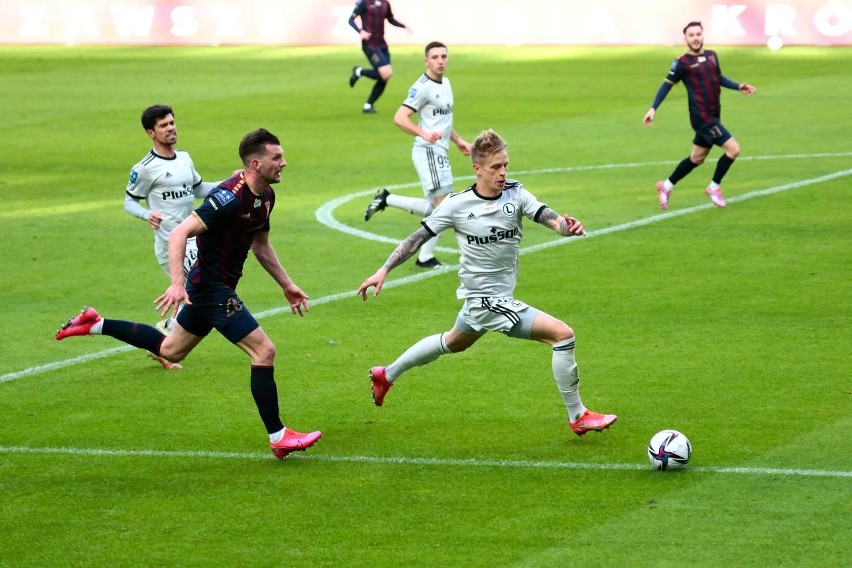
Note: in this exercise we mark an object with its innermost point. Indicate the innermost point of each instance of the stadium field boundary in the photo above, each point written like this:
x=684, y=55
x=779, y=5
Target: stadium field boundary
x=400, y=460
x=323, y=214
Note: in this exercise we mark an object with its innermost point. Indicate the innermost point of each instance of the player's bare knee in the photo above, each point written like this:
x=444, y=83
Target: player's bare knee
x=564, y=333
x=697, y=160
x=266, y=352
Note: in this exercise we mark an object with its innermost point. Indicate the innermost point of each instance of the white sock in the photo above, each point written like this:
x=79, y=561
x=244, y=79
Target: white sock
x=97, y=329
x=667, y=185
x=713, y=185
x=424, y=351
x=427, y=251
x=367, y=106
x=415, y=205
x=357, y=71
x=276, y=437
x=567, y=378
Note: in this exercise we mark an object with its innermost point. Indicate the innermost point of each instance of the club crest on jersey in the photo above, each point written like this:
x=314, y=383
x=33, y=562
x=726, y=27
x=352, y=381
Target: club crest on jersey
x=256, y=202
x=134, y=175
x=509, y=209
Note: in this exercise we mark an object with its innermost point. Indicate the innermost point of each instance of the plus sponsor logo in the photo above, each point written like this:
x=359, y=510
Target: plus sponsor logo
x=437, y=111
x=177, y=193
x=495, y=236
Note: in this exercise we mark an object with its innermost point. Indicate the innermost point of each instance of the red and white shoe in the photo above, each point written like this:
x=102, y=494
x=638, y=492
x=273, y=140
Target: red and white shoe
x=592, y=421
x=715, y=196
x=379, y=385
x=663, y=195
x=293, y=442
x=79, y=325
x=167, y=365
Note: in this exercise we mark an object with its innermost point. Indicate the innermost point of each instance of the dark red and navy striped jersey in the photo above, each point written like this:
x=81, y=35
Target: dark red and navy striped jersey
x=701, y=75
x=232, y=214
x=373, y=14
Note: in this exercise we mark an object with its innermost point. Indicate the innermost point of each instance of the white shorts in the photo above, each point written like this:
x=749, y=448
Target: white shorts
x=506, y=315
x=433, y=168
x=161, y=251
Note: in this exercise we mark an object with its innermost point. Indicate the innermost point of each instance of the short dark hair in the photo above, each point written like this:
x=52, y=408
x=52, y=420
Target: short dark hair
x=254, y=144
x=432, y=45
x=153, y=113
x=690, y=24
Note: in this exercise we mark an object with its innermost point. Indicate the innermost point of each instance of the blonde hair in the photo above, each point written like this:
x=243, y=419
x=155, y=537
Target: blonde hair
x=486, y=144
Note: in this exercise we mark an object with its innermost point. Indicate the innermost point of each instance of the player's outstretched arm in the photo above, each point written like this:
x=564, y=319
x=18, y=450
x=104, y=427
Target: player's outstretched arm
x=405, y=250
x=563, y=224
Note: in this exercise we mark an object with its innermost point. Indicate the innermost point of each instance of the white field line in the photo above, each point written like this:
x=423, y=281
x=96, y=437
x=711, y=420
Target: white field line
x=324, y=216
x=438, y=462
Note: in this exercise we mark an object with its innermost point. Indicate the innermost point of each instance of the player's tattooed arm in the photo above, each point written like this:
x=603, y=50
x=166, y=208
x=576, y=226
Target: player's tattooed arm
x=407, y=248
x=562, y=224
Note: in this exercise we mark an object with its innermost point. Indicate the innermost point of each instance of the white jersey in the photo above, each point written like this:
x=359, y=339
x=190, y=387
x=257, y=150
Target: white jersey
x=488, y=232
x=169, y=185
x=433, y=103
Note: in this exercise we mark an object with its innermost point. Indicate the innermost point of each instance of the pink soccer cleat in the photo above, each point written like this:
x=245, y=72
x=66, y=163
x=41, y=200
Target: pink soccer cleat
x=715, y=196
x=293, y=442
x=79, y=325
x=592, y=421
x=379, y=386
x=663, y=195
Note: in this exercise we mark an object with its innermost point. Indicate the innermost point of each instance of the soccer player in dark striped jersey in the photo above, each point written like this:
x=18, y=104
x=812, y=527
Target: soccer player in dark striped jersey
x=700, y=73
x=372, y=15
x=232, y=220
x=487, y=219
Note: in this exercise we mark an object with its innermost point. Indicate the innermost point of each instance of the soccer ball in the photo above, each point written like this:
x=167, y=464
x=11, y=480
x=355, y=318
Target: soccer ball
x=669, y=449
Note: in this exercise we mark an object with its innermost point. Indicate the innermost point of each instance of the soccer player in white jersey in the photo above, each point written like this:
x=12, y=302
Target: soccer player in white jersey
x=487, y=220
x=167, y=181
x=431, y=97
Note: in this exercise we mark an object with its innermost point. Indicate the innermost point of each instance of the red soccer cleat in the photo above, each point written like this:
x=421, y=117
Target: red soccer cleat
x=79, y=325
x=293, y=442
x=379, y=386
x=592, y=421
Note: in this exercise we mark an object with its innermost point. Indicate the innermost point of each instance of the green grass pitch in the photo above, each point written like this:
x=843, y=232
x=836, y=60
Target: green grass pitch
x=729, y=325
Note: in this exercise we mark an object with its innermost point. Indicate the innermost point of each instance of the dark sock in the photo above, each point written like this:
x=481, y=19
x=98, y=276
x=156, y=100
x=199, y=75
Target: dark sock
x=371, y=73
x=682, y=170
x=265, y=394
x=139, y=335
x=722, y=167
x=377, y=91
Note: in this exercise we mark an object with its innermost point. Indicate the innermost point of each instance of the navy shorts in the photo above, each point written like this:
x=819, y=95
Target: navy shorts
x=220, y=309
x=377, y=57
x=711, y=134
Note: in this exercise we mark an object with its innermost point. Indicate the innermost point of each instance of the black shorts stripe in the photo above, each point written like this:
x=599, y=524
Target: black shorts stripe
x=433, y=169
x=498, y=309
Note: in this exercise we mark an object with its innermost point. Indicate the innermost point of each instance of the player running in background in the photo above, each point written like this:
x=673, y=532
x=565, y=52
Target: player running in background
x=372, y=15
x=431, y=97
x=699, y=70
x=231, y=221
x=167, y=181
x=487, y=220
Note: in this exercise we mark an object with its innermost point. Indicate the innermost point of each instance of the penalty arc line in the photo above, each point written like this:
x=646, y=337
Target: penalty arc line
x=37, y=370
x=439, y=462
x=325, y=213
